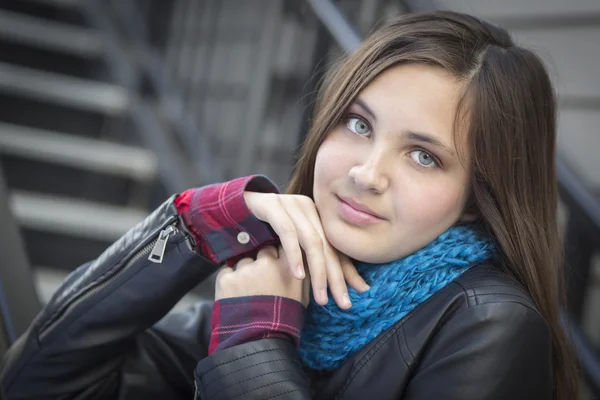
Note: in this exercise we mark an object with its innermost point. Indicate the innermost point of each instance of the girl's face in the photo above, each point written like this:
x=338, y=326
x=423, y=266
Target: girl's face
x=388, y=179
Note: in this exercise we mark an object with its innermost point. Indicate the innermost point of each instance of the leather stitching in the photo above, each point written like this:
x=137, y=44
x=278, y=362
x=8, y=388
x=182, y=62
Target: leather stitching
x=258, y=388
x=237, y=359
x=495, y=284
x=281, y=394
x=250, y=366
x=502, y=293
x=247, y=379
x=465, y=291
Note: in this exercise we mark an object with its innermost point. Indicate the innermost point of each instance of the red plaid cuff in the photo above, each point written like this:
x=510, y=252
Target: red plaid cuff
x=240, y=320
x=224, y=228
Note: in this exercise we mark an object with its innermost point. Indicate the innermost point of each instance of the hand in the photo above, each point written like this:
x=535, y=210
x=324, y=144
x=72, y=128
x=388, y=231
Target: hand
x=267, y=275
x=296, y=221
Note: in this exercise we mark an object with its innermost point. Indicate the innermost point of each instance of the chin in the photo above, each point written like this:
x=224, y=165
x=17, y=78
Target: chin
x=360, y=246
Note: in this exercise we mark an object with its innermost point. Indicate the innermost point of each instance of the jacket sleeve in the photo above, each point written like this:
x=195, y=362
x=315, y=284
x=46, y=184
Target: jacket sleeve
x=493, y=351
x=104, y=334
x=262, y=369
x=91, y=341
x=216, y=214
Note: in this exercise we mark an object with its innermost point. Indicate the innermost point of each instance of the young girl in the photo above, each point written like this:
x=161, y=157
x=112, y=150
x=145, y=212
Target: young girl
x=426, y=183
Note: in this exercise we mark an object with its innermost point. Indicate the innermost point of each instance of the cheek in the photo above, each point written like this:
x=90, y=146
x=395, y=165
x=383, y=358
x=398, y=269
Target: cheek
x=437, y=202
x=332, y=163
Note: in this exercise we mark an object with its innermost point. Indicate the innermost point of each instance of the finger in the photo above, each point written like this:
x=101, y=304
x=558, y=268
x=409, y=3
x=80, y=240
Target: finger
x=243, y=262
x=224, y=271
x=223, y=274
x=352, y=276
x=335, y=280
x=283, y=226
x=313, y=246
x=268, y=252
x=337, y=283
x=334, y=276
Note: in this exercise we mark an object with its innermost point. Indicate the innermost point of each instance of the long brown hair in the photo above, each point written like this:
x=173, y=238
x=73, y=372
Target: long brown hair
x=510, y=106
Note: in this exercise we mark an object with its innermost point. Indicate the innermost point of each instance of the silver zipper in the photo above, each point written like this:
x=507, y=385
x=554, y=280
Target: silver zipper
x=158, y=250
x=195, y=390
x=78, y=299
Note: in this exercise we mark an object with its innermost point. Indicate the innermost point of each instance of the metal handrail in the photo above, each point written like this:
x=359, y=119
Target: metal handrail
x=571, y=186
x=152, y=67
x=172, y=169
x=132, y=63
x=340, y=29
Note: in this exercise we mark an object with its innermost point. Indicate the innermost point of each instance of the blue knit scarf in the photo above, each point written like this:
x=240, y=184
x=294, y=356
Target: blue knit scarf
x=331, y=335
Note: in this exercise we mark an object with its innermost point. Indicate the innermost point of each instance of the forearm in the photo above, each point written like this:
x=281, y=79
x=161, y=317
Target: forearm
x=263, y=369
x=87, y=328
x=91, y=326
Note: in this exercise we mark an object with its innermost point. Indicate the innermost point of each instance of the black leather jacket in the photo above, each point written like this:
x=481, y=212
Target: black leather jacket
x=104, y=335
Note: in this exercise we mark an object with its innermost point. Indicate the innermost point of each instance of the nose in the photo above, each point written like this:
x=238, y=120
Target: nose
x=371, y=175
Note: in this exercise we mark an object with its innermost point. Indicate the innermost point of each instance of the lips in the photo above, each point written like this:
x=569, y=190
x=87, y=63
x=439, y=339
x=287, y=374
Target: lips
x=359, y=207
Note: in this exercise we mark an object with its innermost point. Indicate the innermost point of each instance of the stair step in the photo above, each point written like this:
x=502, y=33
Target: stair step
x=17, y=110
x=60, y=3
x=73, y=217
x=31, y=175
x=56, y=10
x=70, y=91
x=44, y=59
x=49, y=34
x=60, y=251
x=89, y=154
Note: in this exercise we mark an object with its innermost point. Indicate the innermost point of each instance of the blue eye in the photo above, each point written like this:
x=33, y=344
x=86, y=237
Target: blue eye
x=423, y=158
x=358, y=126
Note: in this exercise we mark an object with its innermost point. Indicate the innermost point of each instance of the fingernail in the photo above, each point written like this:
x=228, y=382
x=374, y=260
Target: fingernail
x=366, y=287
x=323, y=295
x=300, y=272
x=346, y=300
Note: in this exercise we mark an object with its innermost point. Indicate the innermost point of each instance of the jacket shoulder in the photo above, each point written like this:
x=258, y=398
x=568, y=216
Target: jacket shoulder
x=484, y=295
x=488, y=326
x=489, y=283
x=484, y=321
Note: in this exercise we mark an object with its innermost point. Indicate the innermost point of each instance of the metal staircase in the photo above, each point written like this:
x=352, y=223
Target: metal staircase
x=109, y=106
x=78, y=172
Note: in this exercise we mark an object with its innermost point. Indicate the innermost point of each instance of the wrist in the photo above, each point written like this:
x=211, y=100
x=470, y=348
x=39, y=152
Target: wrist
x=221, y=223
x=244, y=319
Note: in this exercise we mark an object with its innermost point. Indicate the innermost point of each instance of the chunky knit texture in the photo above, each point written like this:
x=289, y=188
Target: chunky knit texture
x=331, y=335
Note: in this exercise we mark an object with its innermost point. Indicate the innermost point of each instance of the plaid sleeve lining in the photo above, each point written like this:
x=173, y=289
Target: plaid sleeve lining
x=217, y=214
x=239, y=320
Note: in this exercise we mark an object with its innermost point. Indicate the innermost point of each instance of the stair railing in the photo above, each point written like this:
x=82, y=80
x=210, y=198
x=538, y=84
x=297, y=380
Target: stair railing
x=166, y=129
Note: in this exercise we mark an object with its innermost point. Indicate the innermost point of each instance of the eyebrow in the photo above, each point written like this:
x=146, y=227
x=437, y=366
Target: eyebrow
x=416, y=136
x=426, y=138
x=365, y=108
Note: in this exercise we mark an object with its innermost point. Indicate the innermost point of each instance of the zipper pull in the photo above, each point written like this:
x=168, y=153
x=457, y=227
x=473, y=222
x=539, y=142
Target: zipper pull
x=158, y=251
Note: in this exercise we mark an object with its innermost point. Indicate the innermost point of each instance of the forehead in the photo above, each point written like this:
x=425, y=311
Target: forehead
x=415, y=97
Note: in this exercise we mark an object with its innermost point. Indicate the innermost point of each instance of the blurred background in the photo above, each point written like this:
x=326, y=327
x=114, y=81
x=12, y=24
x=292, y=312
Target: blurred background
x=108, y=107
